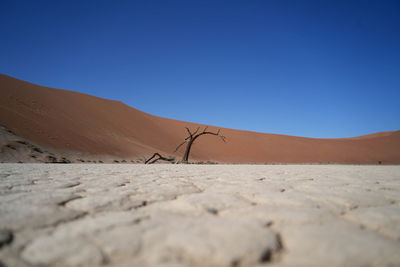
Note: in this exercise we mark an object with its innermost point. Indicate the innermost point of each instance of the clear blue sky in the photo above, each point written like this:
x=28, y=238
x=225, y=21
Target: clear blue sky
x=306, y=68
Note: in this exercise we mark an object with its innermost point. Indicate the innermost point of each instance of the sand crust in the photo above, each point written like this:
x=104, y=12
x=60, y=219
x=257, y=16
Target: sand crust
x=192, y=215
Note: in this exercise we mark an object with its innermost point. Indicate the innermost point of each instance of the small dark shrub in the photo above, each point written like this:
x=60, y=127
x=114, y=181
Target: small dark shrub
x=32, y=147
x=65, y=160
x=10, y=146
x=9, y=131
x=51, y=159
x=36, y=149
x=22, y=142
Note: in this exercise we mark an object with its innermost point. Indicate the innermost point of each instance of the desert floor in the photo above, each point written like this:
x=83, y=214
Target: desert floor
x=199, y=215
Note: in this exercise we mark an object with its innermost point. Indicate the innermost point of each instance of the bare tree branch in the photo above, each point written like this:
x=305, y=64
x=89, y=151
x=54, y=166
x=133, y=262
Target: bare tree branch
x=193, y=136
x=187, y=129
x=176, y=149
x=148, y=160
x=223, y=138
x=189, y=140
x=159, y=157
x=198, y=128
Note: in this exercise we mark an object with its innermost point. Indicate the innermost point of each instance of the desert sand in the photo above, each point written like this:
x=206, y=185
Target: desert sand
x=199, y=215
x=78, y=126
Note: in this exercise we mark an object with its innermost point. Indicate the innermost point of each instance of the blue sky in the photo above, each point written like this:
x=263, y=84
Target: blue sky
x=306, y=68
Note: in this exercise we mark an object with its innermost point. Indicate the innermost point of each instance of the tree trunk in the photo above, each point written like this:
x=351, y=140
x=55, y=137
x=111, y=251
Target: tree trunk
x=191, y=138
x=185, y=158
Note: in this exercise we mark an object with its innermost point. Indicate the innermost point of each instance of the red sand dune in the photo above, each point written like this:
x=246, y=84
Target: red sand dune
x=65, y=120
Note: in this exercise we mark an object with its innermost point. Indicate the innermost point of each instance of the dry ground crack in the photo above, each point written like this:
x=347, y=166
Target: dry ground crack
x=199, y=215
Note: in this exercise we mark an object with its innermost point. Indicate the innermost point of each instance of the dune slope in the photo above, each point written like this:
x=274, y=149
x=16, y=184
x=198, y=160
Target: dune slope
x=71, y=121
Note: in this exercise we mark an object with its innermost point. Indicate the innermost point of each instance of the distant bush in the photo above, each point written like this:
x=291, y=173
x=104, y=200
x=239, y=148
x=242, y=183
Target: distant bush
x=204, y=162
x=9, y=131
x=64, y=160
x=51, y=159
x=32, y=147
x=36, y=149
x=22, y=142
x=10, y=146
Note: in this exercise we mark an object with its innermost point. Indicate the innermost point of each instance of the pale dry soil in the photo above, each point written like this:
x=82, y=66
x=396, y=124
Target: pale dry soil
x=198, y=215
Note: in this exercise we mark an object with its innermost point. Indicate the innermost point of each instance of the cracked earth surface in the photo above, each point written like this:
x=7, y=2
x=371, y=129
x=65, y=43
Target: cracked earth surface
x=198, y=215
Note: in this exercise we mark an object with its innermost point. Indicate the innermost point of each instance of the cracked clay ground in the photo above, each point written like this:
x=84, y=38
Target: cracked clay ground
x=197, y=215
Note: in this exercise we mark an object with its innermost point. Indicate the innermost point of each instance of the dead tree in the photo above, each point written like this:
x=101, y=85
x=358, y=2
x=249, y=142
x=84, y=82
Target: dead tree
x=156, y=157
x=192, y=137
